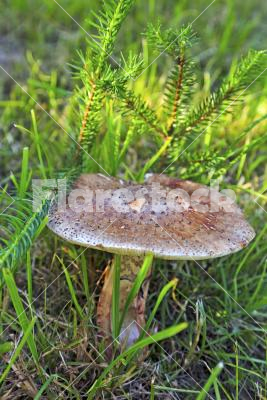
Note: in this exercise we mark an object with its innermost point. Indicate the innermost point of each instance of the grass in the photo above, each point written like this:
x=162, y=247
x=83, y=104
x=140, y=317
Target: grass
x=211, y=322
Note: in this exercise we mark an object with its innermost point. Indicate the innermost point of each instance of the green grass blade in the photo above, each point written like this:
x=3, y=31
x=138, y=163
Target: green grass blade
x=116, y=297
x=152, y=391
x=24, y=177
x=153, y=159
x=217, y=390
x=141, y=276
x=40, y=228
x=175, y=390
x=38, y=145
x=127, y=142
x=213, y=377
x=236, y=372
x=170, y=285
x=5, y=347
x=157, y=337
x=256, y=294
x=21, y=315
x=244, y=259
x=84, y=268
x=26, y=337
x=72, y=290
x=29, y=275
x=44, y=387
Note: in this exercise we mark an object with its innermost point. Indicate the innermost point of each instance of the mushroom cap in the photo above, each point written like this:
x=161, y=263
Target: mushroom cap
x=161, y=229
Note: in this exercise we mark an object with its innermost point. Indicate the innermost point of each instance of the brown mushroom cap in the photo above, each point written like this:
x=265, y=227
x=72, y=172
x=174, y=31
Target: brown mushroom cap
x=167, y=234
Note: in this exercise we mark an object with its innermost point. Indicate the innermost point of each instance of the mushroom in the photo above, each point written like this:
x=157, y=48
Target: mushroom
x=171, y=218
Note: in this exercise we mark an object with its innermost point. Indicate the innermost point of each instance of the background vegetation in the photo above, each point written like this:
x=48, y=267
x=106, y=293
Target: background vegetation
x=52, y=348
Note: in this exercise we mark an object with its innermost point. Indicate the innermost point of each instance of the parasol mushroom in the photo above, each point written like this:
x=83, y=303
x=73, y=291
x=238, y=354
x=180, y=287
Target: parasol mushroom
x=171, y=218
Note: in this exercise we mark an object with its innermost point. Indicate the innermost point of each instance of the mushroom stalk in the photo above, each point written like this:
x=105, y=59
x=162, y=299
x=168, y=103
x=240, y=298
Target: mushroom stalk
x=135, y=317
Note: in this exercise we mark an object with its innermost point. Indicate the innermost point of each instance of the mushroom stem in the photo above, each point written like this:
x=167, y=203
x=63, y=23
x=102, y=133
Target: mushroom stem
x=135, y=316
